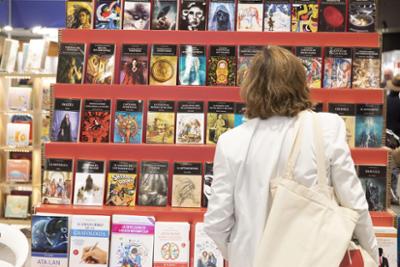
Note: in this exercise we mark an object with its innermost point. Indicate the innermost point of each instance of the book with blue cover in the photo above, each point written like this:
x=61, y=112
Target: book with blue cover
x=107, y=15
x=277, y=16
x=221, y=15
x=128, y=122
x=369, y=125
x=192, y=65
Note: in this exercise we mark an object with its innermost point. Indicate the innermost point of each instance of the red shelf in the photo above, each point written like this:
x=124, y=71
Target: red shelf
x=380, y=218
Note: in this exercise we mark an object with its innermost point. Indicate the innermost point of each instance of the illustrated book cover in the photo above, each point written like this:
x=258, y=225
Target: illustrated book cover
x=100, y=64
x=250, y=16
x=19, y=98
x=193, y=15
x=71, y=60
x=305, y=16
x=387, y=245
x=190, y=122
x=311, y=57
x=206, y=252
x=362, y=15
x=207, y=182
x=16, y=207
x=128, y=122
x=163, y=65
x=153, y=183
x=369, y=125
x=79, y=14
x=337, y=67
x=18, y=170
x=366, y=68
x=134, y=67
x=121, y=183
x=246, y=54
x=18, y=134
x=160, y=127
x=277, y=16
x=221, y=15
x=373, y=180
x=57, y=181
x=164, y=15
x=332, y=16
x=240, y=110
x=347, y=112
x=220, y=118
x=107, y=15
x=66, y=120
x=96, y=121
x=186, y=185
x=222, y=66
x=136, y=15
x=192, y=65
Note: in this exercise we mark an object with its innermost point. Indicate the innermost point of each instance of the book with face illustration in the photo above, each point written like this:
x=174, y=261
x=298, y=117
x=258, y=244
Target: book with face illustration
x=205, y=249
x=163, y=65
x=136, y=15
x=192, y=65
x=134, y=65
x=160, y=127
x=100, y=64
x=337, y=67
x=107, y=14
x=332, y=16
x=362, y=15
x=373, y=179
x=348, y=113
x=153, y=183
x=305, y=16
x=164, y=15
x=65, y=122
x=250, y=15
x=186, y=185
x=221, y=15
x=71, y=60
x=79, y=14
x=246, y=54
x=190, y=122
x=121, y=183
x=57, y=181
x=311, y=57
x=220, y=118
x=193, y=15
x=128, y=121
x=366, y=68
x=96, y=121
x=369, y=125
x=222, y=66
x=277, y=16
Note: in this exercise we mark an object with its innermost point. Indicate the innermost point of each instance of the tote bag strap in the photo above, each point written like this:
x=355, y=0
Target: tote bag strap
x=319, y=151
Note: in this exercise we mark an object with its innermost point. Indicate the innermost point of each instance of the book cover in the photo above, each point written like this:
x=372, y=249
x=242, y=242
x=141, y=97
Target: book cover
x=45, y=127
x=132, y=241
x=153, y=183
x=222, y=66
x=134, y=66
x=107, y=15
x=18, y=170
x=89, y=183
x=136, y=15
x=171, y=244
x=100, y=64
x=163, y=65
x=193, y=15
x=220, y=118
x=332, y=16
x=207, y=182
x=186, y=185
x=128, y=122
x=71, y=60
x=337, y=67
x=49, y=241
x=36, y=56
x=348, y=113
x=277, y=16
x=65, y=122
x=221, y=15
x=57, y=181
x=89, y=241
x=246, y=54
x=192, y=65
x=23, y=119
x=190, y=122
x=362, y=15
x=206, y=252
x=164, y=15
x=121, y=183
x=240, y=110
x=366, y=68
x=160, y=127
x=79, y=14
x=9, y=55
x=47, y=97
x=305, y=16
x=18, y=134
x=369, y=125
x=250, y=16
x=387, y=245
x=373, y=180
x=311, y=56
x=96, y=121
x=19, y=98
x=16, y=207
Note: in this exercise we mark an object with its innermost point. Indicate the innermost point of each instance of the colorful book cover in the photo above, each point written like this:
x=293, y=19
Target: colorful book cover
x=153, y=183
x=134, y=66
x=107, y=15
x=305, y=16
x=65, y=122
x=18, y=170
x=348, y=113
x=79, y=14
x=71, y=60
x=246, y=54
x=136, y=15
x=220, y=118
x=164, y=15
x=23, y=119
x=369, y=125
x=89, y=241
x=49, y=241
x=186, y=185
x=16, y=207
x=337, y=67
x=387, y=245
x=9, y=55
x=250, y=16
x=128, y=123
x=332, y=16
x=190, y=122
x=193, y=15
x=192, y=65
x=19, y=98
x=311, y=56
x=366, y=68
x=207, y=182
x=18, y=134
x=96, y=121
x=57, y=181
x=362, y=15
x=100, y=64
x=89, y=183
x=121, y=183
x=206, y=252
x=221, y=15
x=277, y=15
x=132, y=241
x=222, y=66
x=160, y=127
x=373, y=180
x=163, y=65
x=240, y=110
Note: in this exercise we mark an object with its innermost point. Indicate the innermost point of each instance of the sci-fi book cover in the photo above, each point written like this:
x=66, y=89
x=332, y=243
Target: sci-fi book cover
x=221, y=15
x=222, y=66
x=220, y=118
x=79, y=14
x=369, y=125
x=246, y=54
x=57, y=181
x=65, y=123
x=164, y=15
x=160, y=127
x=95, y=127
x=311, y=57
x=71, y=60
x=136, y=15
x=192, y=65
x=134, y=68
x=366, y=68
x=163, y=65
x=348, y=113
x=337, y=67
x=193, y=15
x=277, y=16
x=100, y=64
x=305, y=16
x=107, y=15
x=153, y=183
x=190, y=122
x=250, y=16
x=121, y=184
x=332, y=16
x=128, y=122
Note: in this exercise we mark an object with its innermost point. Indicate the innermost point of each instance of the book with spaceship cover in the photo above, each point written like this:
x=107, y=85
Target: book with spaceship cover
x=96, y=121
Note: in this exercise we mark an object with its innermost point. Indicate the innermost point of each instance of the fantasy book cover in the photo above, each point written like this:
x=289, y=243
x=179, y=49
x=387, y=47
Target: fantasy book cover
x=190, y=123
x=240, y=110
x=277, y=16
x=221, y=15
x=65, y=123
x=305, y=16
x=163, y=65
x=100, y=64
x=57, y=181
x=250, y=16
x=153, y=183
x=362, y=15
x=222, y=66
x=193, y=15
x=192, y=65
x=134, y=66
x=79, y=14
x=332, y=16
x=311, y=57
x=121, y=185
x=337, y=67
x=348, y=113
x=71, y=60
x=207, y=182
x=128, y=122
x=373, y=180
x=366, y=68
x=96, y=121
x=49, y=241
x=246, y=54
x=186, y=185
x=160, y=122
x=136, y=15
x=220, y=118
x=107, y=15
x=164, y=15
x=369, y=125
x=18, y=170
x=205, y=249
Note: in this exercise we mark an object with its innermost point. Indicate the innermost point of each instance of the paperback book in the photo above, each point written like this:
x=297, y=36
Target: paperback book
x=71, y=60
x=79, y=14
x=246, y=54
x=45, y=128
x=65, y=124
x=337, y=67
x=23, y=119
x=18, y=134
x=193, y=15
x=160, y=127
x=366, y=68
x=369, y=125
x=207, y=182
x=190, y=122
x=348, y=113
x=107, y=15
x=19, y=98
x=277, y=16
x=240, y=110
x=134, y=66
x=221, y=15
x=220, y=118
x=16, y=207
x=57, y=181
x=9, y=55
x=311, y=56
x=163, y=65
x=305, y=16
x=373, y=180
x=164, y=15
x=222, y=66
x=36, y=55
x=186, y=185
x=153, y=183
x=206, y=252
x=332, y=16
x=192, y=65
x=250, y=16
x=136, y=15
x=96, y=121
x=121, y=183
x=362, y=15
x=128, y=123
x=18, y=170
x=100, y=64
x=387, y=245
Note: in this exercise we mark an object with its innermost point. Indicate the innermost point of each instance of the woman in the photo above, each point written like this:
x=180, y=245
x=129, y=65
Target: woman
x=249, y=156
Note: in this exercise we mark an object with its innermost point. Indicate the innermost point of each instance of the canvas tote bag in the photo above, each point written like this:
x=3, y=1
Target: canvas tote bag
x=306, y=227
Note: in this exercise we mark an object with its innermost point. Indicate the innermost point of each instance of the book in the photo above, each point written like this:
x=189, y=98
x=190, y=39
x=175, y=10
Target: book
x=25, y=49
x=192, y=65
x=222, y=66
x=71, y=60
x=311, y=57
x=164, y=15
x=18, y=170
x=171, y=244
x=160, y=127
x=362, y=15
x=16, y=207
x=206, y=252
x=348, y=113
x=134, y=64
x=332, y=16
x=37, y=53
x=366, y=68
x=246, y=54
x=107, y=15
x=100, y=64
x=96, y=121
x=19, y=98
x=186, y=185
x=153, y=183
x=47, y=97
x=240, y=110
x=89, y=183
x=65, y=121
x=163, y=65
x=305, y=16
x=373, y=180
x=89, y=241
x=337, y=67
x=18, y=134
x=220, y=118
x=57, y=181
x=23, y=119
x=132, y=241
x=249, y=15
x=121, y=183
x=387, y=245
x=128, y=122
x=49, y=241
x=190, y=122
x=79, y=14
x=9, y=55
x=369, y=125
x=45, y=127
x=193, y=15
x=221, y=15
x=207, y=182
x=136, y=15
x=277, y=16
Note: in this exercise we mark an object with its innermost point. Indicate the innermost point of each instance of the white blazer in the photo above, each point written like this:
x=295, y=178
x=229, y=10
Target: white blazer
x=249, y=156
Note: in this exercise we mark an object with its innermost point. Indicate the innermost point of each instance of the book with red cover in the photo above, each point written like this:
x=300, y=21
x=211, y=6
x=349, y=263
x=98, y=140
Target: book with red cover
x=96, y=121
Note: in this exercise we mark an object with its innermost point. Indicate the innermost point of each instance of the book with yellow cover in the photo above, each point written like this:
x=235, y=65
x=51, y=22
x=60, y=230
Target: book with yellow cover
x=160, y=127
x=121, y=183
x=163, y=65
